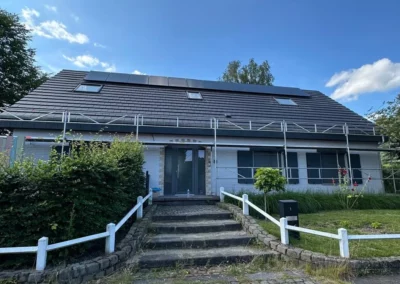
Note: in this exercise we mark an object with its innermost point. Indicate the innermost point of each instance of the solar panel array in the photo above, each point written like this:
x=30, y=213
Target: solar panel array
x=98, y=76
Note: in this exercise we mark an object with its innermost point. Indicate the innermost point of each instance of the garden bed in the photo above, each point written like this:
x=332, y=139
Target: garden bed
x=356, y=222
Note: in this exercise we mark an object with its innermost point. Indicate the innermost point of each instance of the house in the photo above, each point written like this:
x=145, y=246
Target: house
x=201, y=135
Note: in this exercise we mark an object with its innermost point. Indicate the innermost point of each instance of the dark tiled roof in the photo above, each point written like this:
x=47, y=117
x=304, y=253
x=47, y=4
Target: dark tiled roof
x=116, y=100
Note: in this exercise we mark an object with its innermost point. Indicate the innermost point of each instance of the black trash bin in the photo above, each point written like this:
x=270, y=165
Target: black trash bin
x=290, y=210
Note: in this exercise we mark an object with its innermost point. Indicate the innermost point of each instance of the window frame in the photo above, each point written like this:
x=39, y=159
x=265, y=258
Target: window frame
x=84, y=84
x=188, y=93
x=292, y=102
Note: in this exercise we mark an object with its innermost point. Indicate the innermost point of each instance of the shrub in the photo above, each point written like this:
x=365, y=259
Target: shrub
x=68, y=197
x=267, y=180
x=312, y=202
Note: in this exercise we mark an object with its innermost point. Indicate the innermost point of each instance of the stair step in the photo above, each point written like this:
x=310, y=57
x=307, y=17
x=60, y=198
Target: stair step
x=192, y=257
x=202, y=226
x=192, y=217
x=202, y=240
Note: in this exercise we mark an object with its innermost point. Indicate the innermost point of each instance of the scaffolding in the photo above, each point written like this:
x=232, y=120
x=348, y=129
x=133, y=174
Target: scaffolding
x=136, y=121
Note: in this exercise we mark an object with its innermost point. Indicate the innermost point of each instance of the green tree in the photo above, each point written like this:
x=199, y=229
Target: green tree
x=388, y=120
x=267, y=180
x=252, y=73
x=18, y=73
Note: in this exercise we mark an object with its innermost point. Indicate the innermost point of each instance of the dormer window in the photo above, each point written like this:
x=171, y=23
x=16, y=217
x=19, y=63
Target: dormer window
x=194, y=96
x=288, y=102
x=88, y=88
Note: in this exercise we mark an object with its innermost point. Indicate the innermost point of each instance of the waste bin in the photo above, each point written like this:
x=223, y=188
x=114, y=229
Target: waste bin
x=290, y=210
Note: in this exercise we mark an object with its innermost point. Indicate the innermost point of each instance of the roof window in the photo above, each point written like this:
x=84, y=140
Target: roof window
x=194, y=96
x=288, y=102
x=88, y=88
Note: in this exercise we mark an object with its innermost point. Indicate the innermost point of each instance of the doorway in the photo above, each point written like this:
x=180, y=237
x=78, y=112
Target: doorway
x=184, y=170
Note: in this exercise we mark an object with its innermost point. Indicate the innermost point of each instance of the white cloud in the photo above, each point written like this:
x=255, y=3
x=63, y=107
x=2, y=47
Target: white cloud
x=137, y=72
x=380, y=76
x=75, y=17
x=89, y=61
x=50, y=29
x=96, y=44
x=51, y=8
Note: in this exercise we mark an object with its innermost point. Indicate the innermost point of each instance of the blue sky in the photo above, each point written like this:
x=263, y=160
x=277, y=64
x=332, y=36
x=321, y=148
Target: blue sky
x=348, y=50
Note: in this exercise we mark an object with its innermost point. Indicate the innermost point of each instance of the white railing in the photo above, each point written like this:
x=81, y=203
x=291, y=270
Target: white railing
x=43, y=243
x=342, y=235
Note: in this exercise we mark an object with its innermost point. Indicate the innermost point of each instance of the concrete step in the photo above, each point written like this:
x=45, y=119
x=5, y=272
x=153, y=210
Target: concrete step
x=201, y=240
x=183, y=199
x=194, y=257
x=193, y=217
x=201, y=226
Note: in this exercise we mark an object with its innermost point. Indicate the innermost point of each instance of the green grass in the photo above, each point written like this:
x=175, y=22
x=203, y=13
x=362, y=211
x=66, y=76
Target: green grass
x=356, y=222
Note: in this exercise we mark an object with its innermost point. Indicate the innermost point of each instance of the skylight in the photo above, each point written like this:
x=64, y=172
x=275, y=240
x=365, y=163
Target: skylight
x=194, y=95
x=287, y=102
x=88, y=88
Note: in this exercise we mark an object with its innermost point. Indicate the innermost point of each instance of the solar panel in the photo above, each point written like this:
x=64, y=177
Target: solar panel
x=158, y=81
x=192, y=83
x=97, y=76
x=177, y=82
x=118, y=78
x=138, y=79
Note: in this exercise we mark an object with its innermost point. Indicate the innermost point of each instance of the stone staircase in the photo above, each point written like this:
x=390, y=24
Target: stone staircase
x=196, y=235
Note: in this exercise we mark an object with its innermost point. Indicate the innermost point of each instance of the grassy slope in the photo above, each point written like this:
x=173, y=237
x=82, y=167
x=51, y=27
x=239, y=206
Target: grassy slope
x=357, y=222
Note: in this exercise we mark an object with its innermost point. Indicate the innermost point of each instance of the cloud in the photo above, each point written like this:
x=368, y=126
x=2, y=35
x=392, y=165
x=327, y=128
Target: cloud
x=51, y=8
x=96, y=44
x=380, y=76
x=137, y=72
x=75, y=17
x=50, y=29
x=89, y=61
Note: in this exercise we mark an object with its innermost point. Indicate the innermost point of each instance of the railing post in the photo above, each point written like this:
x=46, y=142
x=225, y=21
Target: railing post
x=110, y=240
x=284, y=231
x=139, y=213
x=245, y=197
x=343, y=243
x=221, y=195
x=41, y=255
x=151, y=196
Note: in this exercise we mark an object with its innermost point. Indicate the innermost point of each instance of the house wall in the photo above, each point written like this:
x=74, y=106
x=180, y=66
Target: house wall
x=224, y=172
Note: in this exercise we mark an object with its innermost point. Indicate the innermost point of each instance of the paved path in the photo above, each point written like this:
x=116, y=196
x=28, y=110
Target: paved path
x=381, y=279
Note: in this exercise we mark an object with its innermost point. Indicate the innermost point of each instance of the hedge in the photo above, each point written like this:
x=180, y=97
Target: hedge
x=68, y=197
x=312, y=202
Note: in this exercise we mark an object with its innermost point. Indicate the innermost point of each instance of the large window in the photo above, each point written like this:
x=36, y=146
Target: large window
x=250, y=161
x=322, y=168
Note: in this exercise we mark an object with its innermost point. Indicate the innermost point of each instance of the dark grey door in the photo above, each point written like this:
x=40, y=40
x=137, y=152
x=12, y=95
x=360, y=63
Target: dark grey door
x=184, y=170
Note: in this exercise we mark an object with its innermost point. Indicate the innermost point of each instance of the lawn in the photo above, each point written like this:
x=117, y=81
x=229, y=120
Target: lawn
x=356, y=222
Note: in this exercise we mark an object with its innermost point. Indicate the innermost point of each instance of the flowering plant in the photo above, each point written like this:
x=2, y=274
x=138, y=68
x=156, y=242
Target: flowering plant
x=349, y=194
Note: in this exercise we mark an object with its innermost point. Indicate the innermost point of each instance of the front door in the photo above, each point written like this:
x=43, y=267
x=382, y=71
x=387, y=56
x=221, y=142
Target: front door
x=184, y=170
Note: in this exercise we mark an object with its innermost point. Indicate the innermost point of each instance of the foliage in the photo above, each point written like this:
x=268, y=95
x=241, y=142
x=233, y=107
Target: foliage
x=251, y=73
x=360, y=220
x=68, y=197
x=267, y=180
x=390, y=170
x=18, y=74
x=313, y=202
x=388, y=119
x=376, y=225
x=349, y=194
x=344, y=224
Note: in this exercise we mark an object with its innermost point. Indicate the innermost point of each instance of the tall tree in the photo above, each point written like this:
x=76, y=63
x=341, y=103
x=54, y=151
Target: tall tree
x=18, y=73
x=252, y=73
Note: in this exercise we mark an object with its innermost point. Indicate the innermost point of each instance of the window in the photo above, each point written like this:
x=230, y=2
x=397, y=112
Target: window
x=322, y=168
x=88, y=88
x=194, y=96
x=288, y=102
x=249, y=161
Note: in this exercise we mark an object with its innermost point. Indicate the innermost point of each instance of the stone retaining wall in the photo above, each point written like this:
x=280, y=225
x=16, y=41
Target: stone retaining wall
x=288, y=252
x=90, y=269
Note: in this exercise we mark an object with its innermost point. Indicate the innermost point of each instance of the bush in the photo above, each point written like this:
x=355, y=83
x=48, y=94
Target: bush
x=311, y=202
x=68, y=197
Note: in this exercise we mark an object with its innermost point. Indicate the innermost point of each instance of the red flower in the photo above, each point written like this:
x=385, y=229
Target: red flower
x=333, y=181
x=369, y=178
x=352, y=189
x=355, y=184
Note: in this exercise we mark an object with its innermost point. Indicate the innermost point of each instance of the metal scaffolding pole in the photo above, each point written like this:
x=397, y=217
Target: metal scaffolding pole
x=215, y=154
x=65, y=118
x=285, y=145
x=137, y=125
x=346, y=132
